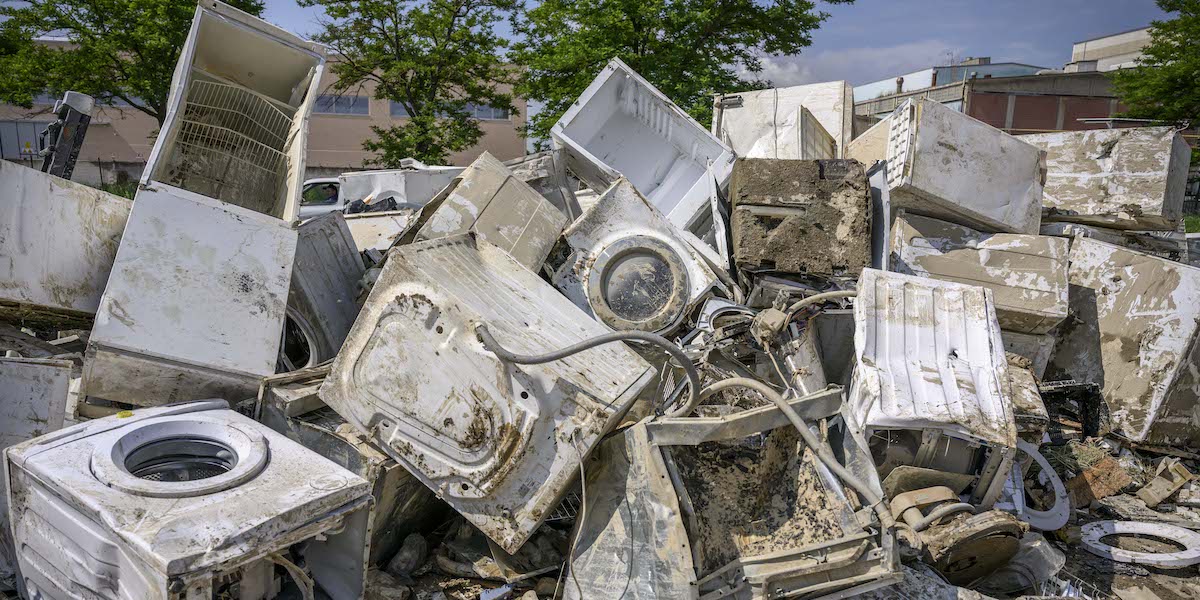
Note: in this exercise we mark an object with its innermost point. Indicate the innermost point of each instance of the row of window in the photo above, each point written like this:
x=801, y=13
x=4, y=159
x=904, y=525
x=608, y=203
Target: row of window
x=359, y=105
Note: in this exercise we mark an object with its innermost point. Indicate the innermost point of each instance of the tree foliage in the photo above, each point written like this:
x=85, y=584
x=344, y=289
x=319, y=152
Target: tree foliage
x=689, y=49
x=433, y=57
x=1166, y=83
x=117, y=50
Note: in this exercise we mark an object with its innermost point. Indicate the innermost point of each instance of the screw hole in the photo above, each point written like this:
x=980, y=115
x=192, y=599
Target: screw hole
x=465, y=487
x=524, y=395
x=439, y=329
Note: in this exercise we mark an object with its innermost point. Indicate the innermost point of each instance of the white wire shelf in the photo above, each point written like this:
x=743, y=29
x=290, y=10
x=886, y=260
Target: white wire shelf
x=230, y=145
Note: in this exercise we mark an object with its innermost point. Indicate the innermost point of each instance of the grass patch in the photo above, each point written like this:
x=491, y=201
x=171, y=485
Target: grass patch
x=1192, y=222
x=128, y=188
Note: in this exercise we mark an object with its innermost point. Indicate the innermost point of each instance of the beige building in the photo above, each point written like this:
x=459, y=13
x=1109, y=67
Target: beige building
x=120, y=137
x=1110, y=52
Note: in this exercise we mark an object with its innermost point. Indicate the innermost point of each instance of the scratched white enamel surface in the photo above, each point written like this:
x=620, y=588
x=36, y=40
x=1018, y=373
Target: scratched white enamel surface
x=929, y=355
x=946, y=165
x=1027, y=274
x=58, y=240
x=622, y=125
x=1134, y=324
x=1120, y=178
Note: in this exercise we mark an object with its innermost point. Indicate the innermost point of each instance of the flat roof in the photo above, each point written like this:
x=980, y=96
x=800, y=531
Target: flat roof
x=1113, y=34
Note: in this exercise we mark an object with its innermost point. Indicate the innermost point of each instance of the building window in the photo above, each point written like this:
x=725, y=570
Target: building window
x=342, y=105
x=487, y=113
x=47, y=98
x=398, y=110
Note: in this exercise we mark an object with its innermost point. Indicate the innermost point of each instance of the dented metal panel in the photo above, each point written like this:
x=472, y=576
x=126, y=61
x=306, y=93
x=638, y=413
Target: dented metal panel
x=801, y=216
x=765, y=123
x=195, y=303
x=500, y=443
x=1120, y=178
x=1027, y=274
x=929, y=356
x=58, y=240
x=321, y=298
x=88, y=527
x=621, y=125
x=1133, y=329
x=546, y=173
x=629, y=267
x=487, y=199
x=946, y=165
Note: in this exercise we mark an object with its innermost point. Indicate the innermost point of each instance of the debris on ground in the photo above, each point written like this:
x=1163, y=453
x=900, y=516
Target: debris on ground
x=787, y=357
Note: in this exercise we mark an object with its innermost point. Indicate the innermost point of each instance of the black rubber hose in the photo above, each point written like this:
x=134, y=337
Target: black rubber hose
x=693, y=376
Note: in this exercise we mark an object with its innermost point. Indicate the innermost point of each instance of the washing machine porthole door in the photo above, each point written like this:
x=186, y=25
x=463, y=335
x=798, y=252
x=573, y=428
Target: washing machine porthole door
x=638, y=282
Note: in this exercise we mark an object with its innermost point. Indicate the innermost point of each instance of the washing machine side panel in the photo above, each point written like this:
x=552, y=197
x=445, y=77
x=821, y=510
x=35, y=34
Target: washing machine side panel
x=174, y=535
x=62, y=551
x=493, y=439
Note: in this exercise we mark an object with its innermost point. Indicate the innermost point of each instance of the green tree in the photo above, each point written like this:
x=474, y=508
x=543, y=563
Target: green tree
x=433, y=57
x=118, y=50
x=689, y=49
x=1166, y=83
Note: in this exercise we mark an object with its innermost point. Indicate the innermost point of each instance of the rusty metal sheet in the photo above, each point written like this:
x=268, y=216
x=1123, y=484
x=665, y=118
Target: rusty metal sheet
x=946, y=165
x=58, y=240
x=1133, y=329
x=487, y=199
x=498, y=442
x=1027, y=274
x=1130, y=178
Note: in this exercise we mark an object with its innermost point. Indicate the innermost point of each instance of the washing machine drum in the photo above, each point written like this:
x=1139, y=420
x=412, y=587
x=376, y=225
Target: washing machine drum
x=180, y=456
x=638, y=282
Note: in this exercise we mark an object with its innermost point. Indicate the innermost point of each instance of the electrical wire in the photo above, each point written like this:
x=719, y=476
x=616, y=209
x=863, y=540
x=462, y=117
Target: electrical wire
x=940, y=512
x=816, y=299
x=303, y=581
x=693, y=376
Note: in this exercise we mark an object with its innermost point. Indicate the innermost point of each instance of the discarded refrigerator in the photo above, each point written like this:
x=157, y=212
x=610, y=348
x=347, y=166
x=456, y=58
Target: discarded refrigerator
x=236, y=127
x=623, y=126
x=1118, y=178
x=1134, y=329
x=196, y=301
x=946, y=165
x=771, y=123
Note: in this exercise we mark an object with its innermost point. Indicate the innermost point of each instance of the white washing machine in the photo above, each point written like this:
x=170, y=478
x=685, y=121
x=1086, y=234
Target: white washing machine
x=629, y=267
x=185, y=501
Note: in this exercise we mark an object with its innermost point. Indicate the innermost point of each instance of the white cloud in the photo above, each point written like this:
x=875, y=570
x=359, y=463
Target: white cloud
x=856, y=65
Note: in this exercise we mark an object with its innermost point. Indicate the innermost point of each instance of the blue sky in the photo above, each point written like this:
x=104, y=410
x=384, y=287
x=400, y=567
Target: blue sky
x=874, y=39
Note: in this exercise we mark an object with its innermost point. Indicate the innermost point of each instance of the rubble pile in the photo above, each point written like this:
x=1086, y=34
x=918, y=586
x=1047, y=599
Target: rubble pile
x=779, y=359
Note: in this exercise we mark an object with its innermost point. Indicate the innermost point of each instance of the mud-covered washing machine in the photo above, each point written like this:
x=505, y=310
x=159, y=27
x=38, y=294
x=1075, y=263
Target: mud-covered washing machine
x=183, y=501
x=629, y=267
